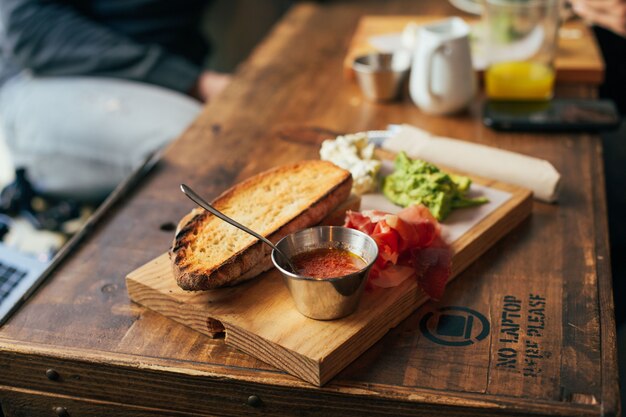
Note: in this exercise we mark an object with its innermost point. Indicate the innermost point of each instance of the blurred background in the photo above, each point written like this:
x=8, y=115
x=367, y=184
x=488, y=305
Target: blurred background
x=231, y=29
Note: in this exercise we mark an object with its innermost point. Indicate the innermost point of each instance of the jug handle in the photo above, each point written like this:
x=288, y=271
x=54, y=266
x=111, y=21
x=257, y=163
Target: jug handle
x=429, y=65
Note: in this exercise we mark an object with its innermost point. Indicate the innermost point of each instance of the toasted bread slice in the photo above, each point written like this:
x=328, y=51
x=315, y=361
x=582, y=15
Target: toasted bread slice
x=209, y=253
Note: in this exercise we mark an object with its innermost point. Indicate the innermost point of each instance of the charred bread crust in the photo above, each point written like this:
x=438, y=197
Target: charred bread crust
x=243, y=265
x=253, y=259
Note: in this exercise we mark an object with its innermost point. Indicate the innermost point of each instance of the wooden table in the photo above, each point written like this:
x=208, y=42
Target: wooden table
x=81, y=348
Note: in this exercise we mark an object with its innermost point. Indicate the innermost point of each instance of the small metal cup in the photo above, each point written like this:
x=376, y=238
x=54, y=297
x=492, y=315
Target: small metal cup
x=381, y=75
x=326, y=298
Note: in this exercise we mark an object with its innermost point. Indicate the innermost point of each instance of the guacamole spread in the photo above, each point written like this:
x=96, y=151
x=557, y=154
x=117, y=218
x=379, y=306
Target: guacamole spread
x=419, y=182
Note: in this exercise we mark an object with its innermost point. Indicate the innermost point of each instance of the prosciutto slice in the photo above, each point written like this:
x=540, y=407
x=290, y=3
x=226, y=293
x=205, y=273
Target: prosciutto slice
x=433, y=268
x=409, y=245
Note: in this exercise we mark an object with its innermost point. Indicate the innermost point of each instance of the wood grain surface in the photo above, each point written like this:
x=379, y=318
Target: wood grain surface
x=578, y=58
x=260, y=317
x=108, y=350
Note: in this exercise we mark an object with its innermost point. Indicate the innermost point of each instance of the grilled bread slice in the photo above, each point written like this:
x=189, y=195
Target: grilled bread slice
x=209, y=253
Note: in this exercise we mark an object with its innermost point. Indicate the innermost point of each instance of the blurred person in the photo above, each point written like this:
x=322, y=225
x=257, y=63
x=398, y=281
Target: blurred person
x=609, y=14
x=609, y=20
x=88, y=88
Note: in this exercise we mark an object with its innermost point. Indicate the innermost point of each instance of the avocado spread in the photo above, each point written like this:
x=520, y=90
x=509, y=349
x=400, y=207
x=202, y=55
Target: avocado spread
x=419, y=182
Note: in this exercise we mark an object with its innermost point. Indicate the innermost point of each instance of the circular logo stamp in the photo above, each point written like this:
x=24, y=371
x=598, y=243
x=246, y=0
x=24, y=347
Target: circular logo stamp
x=454, y=326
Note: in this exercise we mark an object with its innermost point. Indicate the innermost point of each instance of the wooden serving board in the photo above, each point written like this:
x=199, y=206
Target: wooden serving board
x=260, y=318
x=578, y=58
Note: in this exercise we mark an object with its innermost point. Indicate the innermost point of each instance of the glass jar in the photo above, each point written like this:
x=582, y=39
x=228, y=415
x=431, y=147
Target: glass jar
x=520, y=45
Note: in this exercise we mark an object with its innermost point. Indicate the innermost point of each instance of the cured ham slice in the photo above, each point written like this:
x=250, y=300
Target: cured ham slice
x=388, y=240
x=392, y=276
x=373, y=223
x=409, y=245
x=433, y=268
x=417, y=226
x=359, y=221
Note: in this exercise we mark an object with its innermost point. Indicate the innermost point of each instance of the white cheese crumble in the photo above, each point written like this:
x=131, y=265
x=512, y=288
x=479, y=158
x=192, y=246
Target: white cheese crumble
x=354, y=153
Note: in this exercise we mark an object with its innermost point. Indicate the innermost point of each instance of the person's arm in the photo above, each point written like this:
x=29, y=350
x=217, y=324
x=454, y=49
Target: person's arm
x=609, y=14
x=53, y=39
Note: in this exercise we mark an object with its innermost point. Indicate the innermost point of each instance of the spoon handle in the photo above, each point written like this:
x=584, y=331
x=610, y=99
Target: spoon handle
x=202, y=203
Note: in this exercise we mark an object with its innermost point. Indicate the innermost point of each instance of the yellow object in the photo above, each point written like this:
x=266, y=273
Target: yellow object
x=519, y=81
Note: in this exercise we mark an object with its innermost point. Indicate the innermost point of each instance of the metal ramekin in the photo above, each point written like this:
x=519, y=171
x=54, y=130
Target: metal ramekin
x=382, y=75
x=328, y=298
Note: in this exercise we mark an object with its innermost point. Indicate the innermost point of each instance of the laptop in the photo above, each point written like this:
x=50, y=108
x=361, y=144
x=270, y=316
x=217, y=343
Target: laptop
x=18, y=273
x=21, y=274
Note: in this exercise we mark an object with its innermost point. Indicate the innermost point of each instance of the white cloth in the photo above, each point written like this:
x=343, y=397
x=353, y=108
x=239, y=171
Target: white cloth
x=535, y=174
x=80, y=136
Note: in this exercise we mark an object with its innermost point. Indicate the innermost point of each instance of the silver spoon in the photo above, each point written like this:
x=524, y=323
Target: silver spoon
x=202, y=203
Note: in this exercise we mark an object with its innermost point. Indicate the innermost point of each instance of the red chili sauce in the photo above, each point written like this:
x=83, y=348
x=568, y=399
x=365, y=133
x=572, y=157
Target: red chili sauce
x=327, y=263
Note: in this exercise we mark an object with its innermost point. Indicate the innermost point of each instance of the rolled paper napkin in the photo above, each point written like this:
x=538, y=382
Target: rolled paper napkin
x=535, y=174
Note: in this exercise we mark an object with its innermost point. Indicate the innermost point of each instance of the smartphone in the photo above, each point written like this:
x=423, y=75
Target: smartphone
x=557, y=115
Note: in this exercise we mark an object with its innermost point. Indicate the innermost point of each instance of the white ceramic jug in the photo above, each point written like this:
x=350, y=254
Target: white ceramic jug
x=442, y=77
